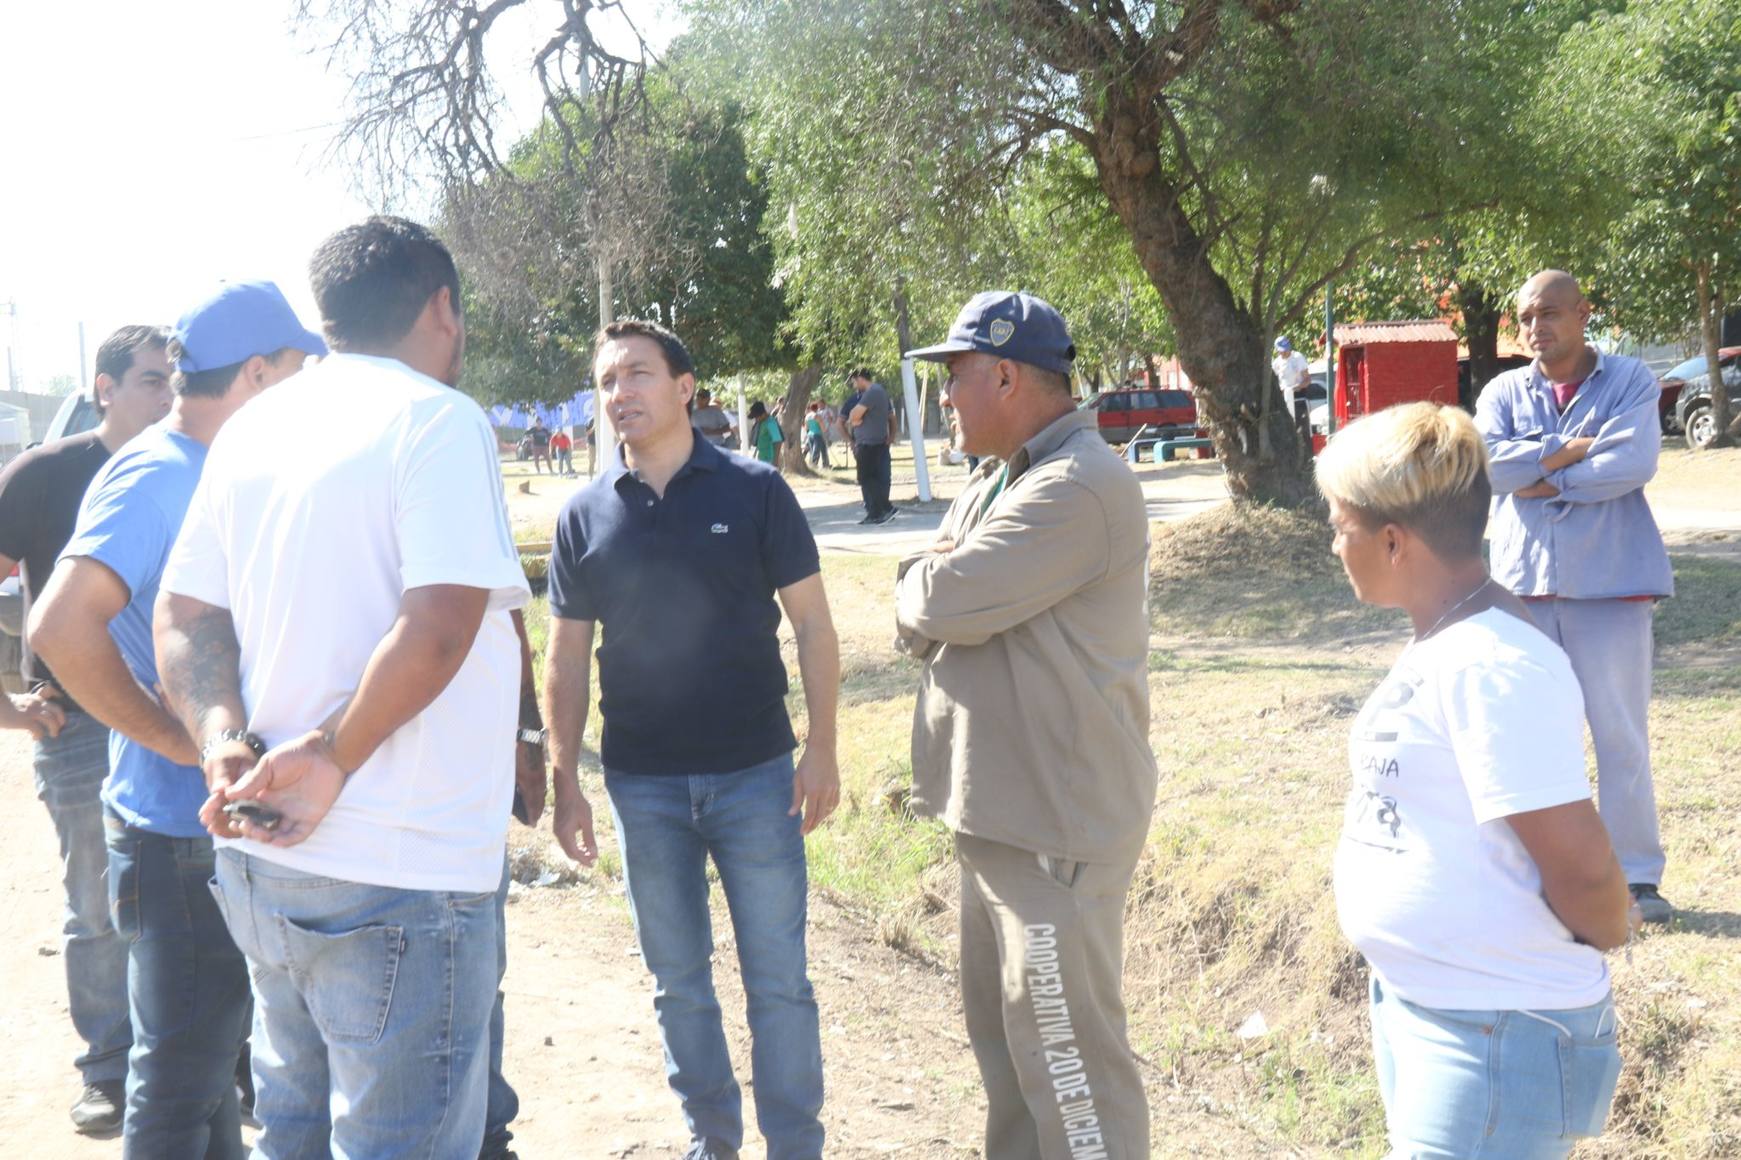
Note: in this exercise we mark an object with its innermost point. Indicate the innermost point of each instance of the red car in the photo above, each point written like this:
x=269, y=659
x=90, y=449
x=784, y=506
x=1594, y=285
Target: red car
x=1123, y=412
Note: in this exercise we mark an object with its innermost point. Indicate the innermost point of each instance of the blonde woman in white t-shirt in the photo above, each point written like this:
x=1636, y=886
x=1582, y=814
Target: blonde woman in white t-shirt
x=1473, y=872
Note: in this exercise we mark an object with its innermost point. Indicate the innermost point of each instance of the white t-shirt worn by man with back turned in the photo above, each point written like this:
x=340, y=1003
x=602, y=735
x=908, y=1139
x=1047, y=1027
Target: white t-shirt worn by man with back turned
x=322, y=502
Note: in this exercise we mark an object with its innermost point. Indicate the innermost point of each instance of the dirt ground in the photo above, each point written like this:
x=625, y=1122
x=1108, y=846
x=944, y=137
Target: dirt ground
x=582, y=1048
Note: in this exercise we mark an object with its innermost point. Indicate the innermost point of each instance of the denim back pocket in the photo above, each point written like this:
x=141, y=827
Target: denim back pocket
x=1589, y=1073
x=346, y=979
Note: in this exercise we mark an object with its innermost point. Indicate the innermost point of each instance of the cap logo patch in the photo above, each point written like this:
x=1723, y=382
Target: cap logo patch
x=1000, y=331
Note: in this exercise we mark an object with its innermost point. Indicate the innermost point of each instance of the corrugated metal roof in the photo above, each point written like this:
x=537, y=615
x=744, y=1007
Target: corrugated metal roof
x=1423, y=330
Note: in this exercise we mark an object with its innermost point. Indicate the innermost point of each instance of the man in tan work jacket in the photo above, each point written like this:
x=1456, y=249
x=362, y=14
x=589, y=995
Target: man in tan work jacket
x=1030, y=739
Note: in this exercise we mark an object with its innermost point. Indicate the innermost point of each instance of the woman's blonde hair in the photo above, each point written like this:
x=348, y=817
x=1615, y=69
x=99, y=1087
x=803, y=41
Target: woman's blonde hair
x=1419, y=466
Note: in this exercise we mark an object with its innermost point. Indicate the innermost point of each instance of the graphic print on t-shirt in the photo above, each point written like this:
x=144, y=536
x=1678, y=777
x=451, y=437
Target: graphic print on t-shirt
x=1373, y=815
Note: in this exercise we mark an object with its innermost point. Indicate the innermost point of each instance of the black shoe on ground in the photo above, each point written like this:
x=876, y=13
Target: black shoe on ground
x=869, y=520
x=1652, y=905
x=887, y=516
x=245, y=1083
x=99, y=1107
x=708, y=1149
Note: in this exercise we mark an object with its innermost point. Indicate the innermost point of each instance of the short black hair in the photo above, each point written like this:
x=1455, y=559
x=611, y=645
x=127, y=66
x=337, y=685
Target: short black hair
x=861, y=373
x=115, y=355
x=677, y=359
x=1055, y=380
x=758, y=410
x=212, y=384
x=373, y=279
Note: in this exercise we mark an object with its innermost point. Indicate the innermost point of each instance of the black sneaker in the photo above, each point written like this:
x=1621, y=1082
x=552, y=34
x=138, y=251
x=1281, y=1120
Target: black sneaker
x=869, y=520
x=245, y=1083
x=709, y=1149
x=887, y=516
x=99, y=1107
x=1652, y=905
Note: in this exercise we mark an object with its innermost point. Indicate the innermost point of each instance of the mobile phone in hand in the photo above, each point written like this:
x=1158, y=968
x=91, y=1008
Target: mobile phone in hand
x=255, y=813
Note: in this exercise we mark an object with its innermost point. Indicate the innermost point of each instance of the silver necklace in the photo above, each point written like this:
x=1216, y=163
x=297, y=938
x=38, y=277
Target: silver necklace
x=1479, y=588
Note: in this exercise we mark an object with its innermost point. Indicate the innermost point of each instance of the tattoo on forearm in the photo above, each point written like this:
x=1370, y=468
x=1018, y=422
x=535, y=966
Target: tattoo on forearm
x=201, y=669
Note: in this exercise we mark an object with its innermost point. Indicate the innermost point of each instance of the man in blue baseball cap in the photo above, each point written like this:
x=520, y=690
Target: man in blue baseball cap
x=188, y=983
x=1292, y=375
x=1031, y=737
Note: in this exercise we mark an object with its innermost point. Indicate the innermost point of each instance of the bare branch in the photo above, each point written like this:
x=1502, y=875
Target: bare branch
x=422, y=95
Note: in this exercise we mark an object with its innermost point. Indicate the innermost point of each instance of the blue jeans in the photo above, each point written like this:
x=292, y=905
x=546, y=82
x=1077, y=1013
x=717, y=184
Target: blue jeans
x=371, y=1012
x=668, y=826
x=189, y=989
x=503, y=1104
x=1522, y=1085
x=69, y=779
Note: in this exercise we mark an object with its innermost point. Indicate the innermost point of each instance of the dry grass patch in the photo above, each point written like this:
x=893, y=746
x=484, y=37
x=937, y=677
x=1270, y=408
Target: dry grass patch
x=1260, y=660
x=1256, y=573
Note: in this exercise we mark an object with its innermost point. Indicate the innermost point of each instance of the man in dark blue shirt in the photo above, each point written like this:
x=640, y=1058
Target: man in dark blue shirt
x=40, y=493
x=686, y=555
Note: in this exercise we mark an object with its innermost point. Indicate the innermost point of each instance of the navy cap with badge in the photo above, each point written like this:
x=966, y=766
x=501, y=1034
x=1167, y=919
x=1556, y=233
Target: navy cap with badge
x=1009, y=325
x=239, y=321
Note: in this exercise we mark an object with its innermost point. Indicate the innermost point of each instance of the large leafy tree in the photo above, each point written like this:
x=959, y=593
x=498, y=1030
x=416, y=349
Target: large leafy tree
x=1249, y=149
x=1073, y=252
x=1663, y=79
x=703, y=266
x=877, y=241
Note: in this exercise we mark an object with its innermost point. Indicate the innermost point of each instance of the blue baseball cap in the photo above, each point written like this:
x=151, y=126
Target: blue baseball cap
x=1015, y=326
x=239, y=321
x=1284, y=343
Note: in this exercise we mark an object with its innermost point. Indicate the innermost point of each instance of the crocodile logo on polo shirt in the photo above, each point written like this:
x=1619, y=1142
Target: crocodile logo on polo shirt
x=721, y=529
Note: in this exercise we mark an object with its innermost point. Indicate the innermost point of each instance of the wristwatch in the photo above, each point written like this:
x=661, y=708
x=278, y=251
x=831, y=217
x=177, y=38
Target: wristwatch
x=224, y=736
x=532, y=736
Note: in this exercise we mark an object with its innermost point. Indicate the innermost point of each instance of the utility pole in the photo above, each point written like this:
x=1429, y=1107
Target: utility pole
x=604, y=436
x=11, y=337
x=1329, y=360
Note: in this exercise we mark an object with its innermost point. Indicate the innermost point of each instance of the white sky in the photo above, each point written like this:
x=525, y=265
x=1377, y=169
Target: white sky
x=149, y=150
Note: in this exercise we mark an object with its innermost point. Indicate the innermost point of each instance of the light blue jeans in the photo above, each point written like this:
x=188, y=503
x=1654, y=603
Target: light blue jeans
x=668, y=827
x=70, y=770
x=1516, y=1085
x=504, y=1103
x=371, y=1012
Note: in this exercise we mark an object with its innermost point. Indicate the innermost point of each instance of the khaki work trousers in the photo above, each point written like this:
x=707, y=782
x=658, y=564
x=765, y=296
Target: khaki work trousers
x=1042, y=958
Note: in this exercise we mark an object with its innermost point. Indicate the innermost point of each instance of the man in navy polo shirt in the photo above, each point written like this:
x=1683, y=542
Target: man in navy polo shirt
x=679, y=551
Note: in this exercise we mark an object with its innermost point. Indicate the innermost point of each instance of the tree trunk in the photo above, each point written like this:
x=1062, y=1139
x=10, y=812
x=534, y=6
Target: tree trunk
x=934, y=424
x=1710, y=326
x=798, y=391
x=1221, y=346
x=1481, y=312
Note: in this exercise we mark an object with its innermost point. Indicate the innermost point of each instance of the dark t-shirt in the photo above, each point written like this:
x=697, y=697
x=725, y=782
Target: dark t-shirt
x=40, y=492
x=690, y=674
x=713, y=424
x=874, y=427
x=540, y=436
